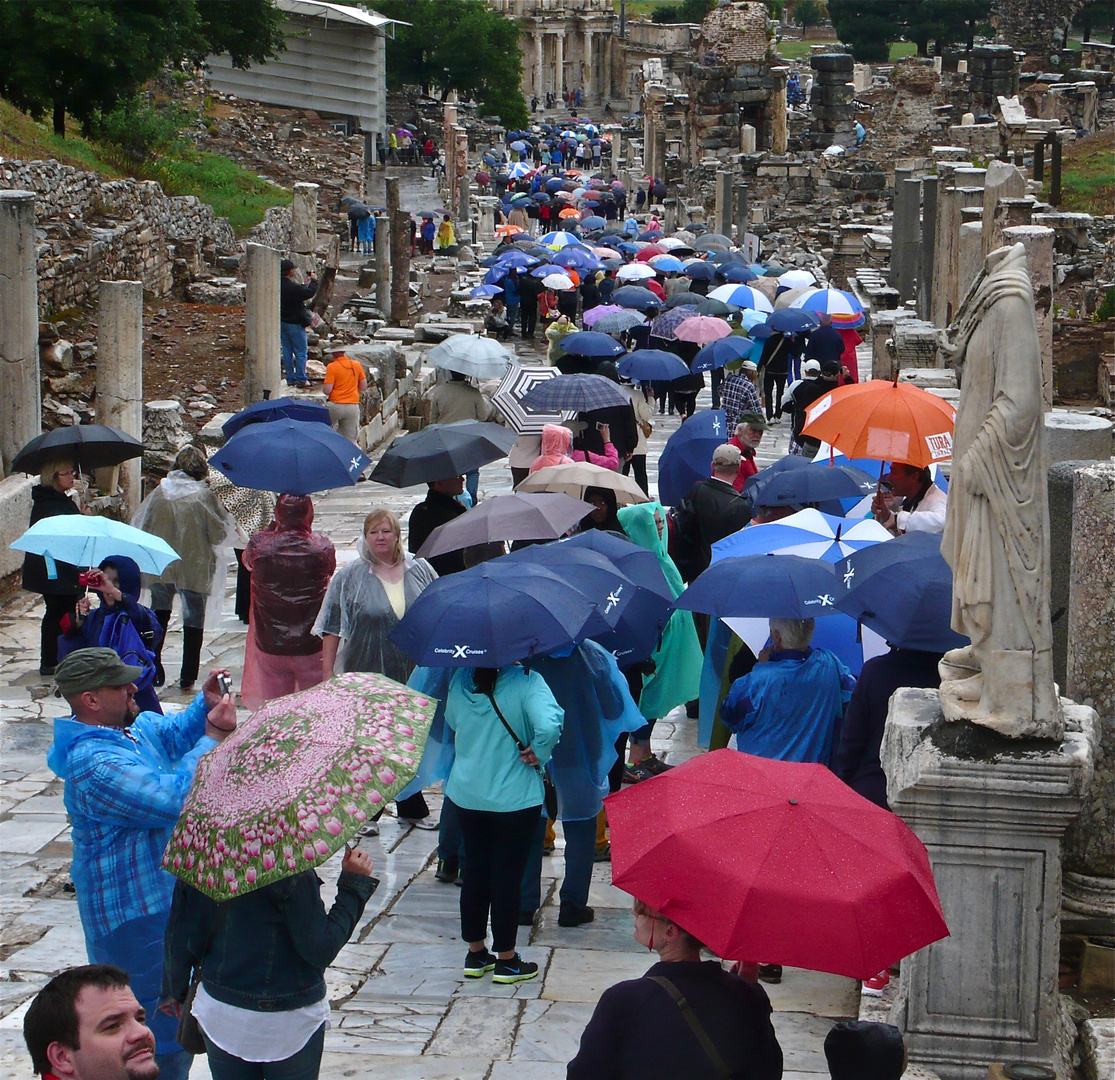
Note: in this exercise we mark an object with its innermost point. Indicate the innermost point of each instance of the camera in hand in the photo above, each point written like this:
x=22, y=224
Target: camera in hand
x=223, y=685
x=90, y=579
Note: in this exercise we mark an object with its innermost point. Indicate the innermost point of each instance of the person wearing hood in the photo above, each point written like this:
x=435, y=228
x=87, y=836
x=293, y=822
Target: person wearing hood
x=291, y=567
x=603, y=515
x=127, y=774
x=557, y=442
x=118, y=584
x=190, y=518
x=55, y=581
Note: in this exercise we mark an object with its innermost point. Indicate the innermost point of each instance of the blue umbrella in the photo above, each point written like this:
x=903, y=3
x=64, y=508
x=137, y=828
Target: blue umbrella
x=545, y=270
x=518, y=144
x=650, y=235
x=700, y=271
x=628, y=248
x=589, y=343
x=903, y=591
x=792, y=321
x=720, y=352
x=281, y=408
x=648, y=365
x=635, y=296
x=737, y=274
x=687, y=455
x=764, y=587
x=290, y=456
x=725, y=258
x=574, y=393
x=667, y=264
x=789, y=463
x=485, y=290
x=817, y=482
x=578, y=260
x=593, y=222
x=520, y=260
x=808, y=533
x=494, y=614
x=618, y=322
x=81, y=540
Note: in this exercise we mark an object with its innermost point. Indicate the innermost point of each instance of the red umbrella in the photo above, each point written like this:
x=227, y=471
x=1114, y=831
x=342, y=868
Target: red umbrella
x=649, y=252
x=777, y=860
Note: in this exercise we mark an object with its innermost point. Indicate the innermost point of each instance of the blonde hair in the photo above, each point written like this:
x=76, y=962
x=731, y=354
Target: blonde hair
x=52, y=468
x=377, y=517
x=642, y=908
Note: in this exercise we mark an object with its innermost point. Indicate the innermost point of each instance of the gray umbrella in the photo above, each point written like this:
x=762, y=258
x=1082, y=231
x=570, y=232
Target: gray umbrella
x=618, y=322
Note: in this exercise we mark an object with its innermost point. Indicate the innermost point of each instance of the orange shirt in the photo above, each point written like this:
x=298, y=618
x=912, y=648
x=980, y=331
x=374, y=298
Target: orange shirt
x=345, y=375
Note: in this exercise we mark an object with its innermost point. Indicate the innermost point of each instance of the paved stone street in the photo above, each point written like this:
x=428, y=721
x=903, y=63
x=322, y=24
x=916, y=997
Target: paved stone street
x=401, y=1007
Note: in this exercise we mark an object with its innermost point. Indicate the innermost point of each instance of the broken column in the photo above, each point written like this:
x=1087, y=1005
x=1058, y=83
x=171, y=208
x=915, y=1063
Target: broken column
x=486, y=212
x=1002, y=181
x=303, y=219
x=383, y=263
x=120, y=380
x=969, y=254
x=1038, y=242
x=833, y=100
x=905, y=232
x=777, y=109
x=400, y=255
x=262, y=345
x=992, y=73
x=21, y=418
x=724, y=203
x=928, y=246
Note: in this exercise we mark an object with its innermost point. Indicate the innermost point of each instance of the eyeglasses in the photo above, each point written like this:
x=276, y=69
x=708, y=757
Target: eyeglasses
x=64, y=472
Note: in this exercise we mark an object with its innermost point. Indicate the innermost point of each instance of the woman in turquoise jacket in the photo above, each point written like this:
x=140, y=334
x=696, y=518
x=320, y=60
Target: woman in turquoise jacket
x=506, y=724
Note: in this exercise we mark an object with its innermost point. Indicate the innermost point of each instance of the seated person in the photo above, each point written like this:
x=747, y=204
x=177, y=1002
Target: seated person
x=495, y=322
x=862, y=1050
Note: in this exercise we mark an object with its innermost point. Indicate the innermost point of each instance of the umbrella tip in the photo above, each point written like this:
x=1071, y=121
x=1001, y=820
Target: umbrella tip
x=793, y=802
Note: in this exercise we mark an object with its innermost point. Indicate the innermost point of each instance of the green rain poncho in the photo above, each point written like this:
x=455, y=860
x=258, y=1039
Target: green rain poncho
x=678, y=659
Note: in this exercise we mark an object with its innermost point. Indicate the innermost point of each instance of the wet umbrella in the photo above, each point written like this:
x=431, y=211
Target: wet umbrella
x=482, y=291
x=791, y=321
x=519, y=144
x=510, y=392
x=700, y=271
x=442, y=451
x=683, y=299
x=701, y=329
x=709, y=305
x=665, y=325
x=712, y=242
x=516, y=259
x=593, y=314
x=808, y=533
x=558, y=240
x=634, y=272
x=89, y=446
x=483, y=178
x=577, y=478
x=743, y=296
x=617, y=322
x=650, y=235
x=646, y=365
x=293, y=457
x=470, y=354
x=86, y=540
x=634, y=296
x=687, y=455
x=818, y=482
x=845, y=309
x=737, y=274
x=667, y=264
x=558, y=282
x=764, y=587
x=593, y=222
x=588, y=343
x=282, y=408
x=720, y=352
x=726, y=258
x=575, y=393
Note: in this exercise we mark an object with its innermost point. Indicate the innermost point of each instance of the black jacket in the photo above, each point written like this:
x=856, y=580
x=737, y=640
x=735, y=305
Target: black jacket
x=436, y=509
x=292, y=301
x=804, y=394
x=710, y=510
x=624, y=429
x=638, y=1033
x=50, y=502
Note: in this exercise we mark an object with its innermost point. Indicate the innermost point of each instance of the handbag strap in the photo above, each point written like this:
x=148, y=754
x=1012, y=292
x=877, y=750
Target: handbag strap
x=695, y=1025
x=503, y=720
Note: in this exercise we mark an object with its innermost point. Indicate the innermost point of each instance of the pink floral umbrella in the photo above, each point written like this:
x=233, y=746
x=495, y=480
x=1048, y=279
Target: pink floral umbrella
x=702, y=329
x=295, y=781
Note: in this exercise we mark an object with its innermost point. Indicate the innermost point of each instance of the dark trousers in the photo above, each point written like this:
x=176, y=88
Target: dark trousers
x=305, y=1065
x=771, y=381
x=637, y=464
x=687, y=405
x=528, y=319
x=717, y=379
x=243, y=587
x=497, y=847
x=57, y=605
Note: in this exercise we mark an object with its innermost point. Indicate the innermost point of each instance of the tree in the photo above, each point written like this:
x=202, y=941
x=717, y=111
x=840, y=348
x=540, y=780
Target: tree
x=1094, y=16
x=83, y=57
x=460, y=45
x=688, y=11
x=809, y=13
x=943, y=22
x=867, y=26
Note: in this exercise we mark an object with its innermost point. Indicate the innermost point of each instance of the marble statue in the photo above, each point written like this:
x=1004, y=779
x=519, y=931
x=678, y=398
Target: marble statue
x=996, y=536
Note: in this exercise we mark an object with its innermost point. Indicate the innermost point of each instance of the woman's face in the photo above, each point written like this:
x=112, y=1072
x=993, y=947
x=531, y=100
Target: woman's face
x=382, y=541
x=658, y=523
x=601, y=512
x=64, y=479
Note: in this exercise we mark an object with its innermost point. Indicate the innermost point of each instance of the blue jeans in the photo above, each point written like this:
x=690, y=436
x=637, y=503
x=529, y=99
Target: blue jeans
x=174, y=1066
x=305, y=1065
x=293, y=339
x=580, y=850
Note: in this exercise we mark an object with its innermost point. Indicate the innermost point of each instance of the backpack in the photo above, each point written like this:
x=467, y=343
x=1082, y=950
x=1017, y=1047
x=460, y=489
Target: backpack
x=121, y=635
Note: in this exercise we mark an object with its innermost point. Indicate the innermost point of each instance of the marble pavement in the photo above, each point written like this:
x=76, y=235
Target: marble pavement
x=401, y=1007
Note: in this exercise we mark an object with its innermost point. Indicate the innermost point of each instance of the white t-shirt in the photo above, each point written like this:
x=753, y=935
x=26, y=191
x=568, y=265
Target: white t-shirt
x=258, y=1036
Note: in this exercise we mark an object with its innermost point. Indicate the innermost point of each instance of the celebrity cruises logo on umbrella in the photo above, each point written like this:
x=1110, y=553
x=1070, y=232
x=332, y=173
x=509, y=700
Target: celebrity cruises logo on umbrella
x=613, y=599
x=827, y=600
x=460, y=652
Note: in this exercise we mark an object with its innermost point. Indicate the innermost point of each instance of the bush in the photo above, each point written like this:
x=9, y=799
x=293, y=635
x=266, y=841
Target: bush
x=140, y=131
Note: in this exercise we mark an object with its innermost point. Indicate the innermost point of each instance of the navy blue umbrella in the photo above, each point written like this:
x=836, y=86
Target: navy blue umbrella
x=636, y=297
x=650, y=235
x=737, y=274
x=648, y=365
x=720, y=352
x=902, y=589
x=520, y=260
x=765, y=587
x=280, y=408
x=723, y=258
x=792, y=321
x=683, y=299
x=700, y=271
x=294, y=457
x=789, y=463
x=442, y=451
x=817, y=482
x=573, y=393
x=590, y=343
x=494, y=614
x=687, y=455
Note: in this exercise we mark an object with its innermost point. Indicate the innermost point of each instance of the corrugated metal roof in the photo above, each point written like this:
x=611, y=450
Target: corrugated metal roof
x=338, y=12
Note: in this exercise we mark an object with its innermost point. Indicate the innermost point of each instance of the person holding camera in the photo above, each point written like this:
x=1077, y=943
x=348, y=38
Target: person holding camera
x=294, y=317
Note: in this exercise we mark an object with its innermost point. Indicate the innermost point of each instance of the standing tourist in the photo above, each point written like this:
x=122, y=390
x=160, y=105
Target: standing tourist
x=345, y=381
x=294, y=317
x=445, y=237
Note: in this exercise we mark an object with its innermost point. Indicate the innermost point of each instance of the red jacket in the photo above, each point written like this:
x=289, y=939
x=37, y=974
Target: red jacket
x=747, y=466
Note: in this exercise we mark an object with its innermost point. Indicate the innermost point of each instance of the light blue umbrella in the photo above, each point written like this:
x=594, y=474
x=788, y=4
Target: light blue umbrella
x=86, y=541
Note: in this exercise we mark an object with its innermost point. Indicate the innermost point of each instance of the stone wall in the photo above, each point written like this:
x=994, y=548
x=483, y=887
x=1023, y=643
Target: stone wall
x=735, y=33
x=274, y=229
x=92, y=229
x=1033, y=25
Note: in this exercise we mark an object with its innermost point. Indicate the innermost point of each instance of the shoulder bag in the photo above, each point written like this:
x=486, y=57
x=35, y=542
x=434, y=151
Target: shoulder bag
x=550, y=792
x=189, y=1035
x=695, y=1025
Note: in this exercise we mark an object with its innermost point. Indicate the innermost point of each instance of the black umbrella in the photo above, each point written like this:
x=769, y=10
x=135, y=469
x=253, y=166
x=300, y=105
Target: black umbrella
x=442, y=451
x=88, y=446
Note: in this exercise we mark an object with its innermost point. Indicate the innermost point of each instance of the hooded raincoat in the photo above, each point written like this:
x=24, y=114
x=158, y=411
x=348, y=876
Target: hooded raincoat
x=678, y=658
x=557, y=441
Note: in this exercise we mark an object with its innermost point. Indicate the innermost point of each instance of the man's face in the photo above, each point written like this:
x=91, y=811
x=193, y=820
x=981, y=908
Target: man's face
x=452, y=487
x=115, y=1043
x=116, y=705
x=750, y=437
x=903, y=481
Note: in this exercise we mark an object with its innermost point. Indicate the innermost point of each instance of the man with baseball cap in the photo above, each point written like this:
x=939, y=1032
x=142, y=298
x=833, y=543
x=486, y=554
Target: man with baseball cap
x=127, y=775
x=805, y=393
x=748, y=436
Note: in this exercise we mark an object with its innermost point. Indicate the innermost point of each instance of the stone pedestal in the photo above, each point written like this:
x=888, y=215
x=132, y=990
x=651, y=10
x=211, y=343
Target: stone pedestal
x=723, y=223
x=1075, y=436
x=262, y=347
x=486, y=209
x=303, y=219
x=1038, y=242
x=991, y=812
x=21, y=416
x=120, y=380
x=905, y=233
x=1002, y=181
x=746, y=139
x=882, y=330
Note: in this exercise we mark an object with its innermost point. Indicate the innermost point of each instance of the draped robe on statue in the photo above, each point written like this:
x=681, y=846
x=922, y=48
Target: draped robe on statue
x=996, y=535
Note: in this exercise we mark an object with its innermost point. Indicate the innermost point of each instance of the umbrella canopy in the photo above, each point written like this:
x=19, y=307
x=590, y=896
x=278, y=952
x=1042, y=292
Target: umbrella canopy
x=483, y=291
x=764, y=587
x=576, y=478
x=588, y=343
x=88, y=446
x=509, y=230
x=903, y=591
x=617, y=322
x=816, y=482
x=469, y=354
x=720, y=352
x=644, y=365
x=593, y=222
x=726, y=258
x=797, y=279
x=702, y=329
x=710, y=306
x=667, y=264
x=700, y=271
x=516, y=259
x=635, y=271
x=558, y=282
x=776, y=859
x=598, y=312
x=81, y=540
x=574, y=393
x=510, y=392
x=495, y=614
x=743, y=296
x=737, y=274
x=559, y=240
x=296, y=781
x=290, y=456
x=792, y=321
x=539, y=515
x=683, y=299
x=808, y=533
x=884, y=420
x=635, y=296
x=687, y=455
x=665, y=325
x=844, y=308
x=441, y=451
x=712, y=242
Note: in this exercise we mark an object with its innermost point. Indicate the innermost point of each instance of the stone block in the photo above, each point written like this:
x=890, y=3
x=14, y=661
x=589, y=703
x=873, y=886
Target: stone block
x=826, y=62
x=15, y=510
x=1098, y=1049
x=1077, y=436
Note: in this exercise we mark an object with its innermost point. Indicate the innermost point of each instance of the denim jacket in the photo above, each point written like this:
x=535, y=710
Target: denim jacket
x=266, y=950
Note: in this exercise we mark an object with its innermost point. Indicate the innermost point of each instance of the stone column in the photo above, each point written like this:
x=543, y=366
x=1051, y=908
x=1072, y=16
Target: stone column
x=743, y=213
x=587, y=84
x=747, y=142
x=1038, y=242
x=120, y=380
x=559, y=62
x=724, y=203
x=262, y=348
x=969, y=257
x=383, y=264
x=486, y=211
x=21, y=417
x=776, y=107
x=946, y=259
x=303, y=219
x=1090, y=844
x=400, y=255
x=539, y=90
x=991, y=815
x=1008, y=213
x=905, y=232
x=463, y=213
x=1002, y=181
x=928, y=246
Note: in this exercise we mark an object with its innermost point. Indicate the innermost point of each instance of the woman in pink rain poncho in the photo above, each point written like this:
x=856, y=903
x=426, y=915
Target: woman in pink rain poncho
x=291, y=568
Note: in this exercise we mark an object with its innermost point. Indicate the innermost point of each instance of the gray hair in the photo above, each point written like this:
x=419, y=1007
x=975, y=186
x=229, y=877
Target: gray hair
x=795, y=633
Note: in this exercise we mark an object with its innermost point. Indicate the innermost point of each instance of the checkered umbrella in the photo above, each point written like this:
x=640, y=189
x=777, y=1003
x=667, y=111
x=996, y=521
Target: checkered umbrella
x=514, y=385
x=579, y=393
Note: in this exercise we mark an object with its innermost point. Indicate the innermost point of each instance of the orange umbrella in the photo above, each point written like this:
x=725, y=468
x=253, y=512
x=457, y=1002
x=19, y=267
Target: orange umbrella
x=569, y=211
x=509, y=230
x=888, y=421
